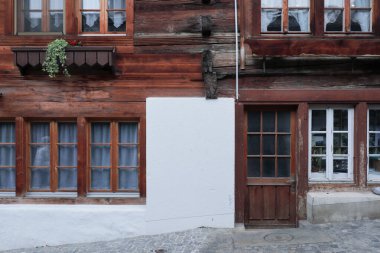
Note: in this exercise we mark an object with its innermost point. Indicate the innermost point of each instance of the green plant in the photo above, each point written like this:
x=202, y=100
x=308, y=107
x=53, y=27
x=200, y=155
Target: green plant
x=55, y=60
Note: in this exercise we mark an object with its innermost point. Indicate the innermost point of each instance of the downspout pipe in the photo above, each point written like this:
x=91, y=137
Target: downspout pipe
x=236, y=52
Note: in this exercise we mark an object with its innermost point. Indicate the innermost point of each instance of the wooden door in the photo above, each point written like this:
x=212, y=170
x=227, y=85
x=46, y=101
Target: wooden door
x=270, y=158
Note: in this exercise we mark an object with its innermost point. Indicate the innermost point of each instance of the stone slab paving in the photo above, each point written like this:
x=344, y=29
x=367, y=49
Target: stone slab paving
x=349, y=237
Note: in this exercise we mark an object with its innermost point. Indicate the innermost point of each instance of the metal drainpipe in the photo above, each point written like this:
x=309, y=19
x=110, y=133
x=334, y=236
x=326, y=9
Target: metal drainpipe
x=236, y=53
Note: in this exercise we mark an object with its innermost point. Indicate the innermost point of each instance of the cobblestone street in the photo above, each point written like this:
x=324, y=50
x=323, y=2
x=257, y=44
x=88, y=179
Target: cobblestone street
x=358, y=236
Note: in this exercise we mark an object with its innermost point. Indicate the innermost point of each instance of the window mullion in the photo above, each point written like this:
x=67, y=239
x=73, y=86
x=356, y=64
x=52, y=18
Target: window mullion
x=347, y=12
x=114, y=156
x=329, y=143
x=350, y=142
x=285, y=11
x=103, y=16
x=45, y=23
x=53, y=156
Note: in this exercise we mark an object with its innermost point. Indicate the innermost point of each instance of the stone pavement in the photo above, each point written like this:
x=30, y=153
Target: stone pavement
x=358, y=236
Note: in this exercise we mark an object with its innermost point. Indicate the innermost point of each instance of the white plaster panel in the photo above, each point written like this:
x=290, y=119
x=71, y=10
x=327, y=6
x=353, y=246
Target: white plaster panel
x=26, y=226
x=190, y=163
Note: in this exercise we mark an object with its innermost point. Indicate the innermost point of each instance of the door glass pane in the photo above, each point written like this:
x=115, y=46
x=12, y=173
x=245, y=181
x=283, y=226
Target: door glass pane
x=374, y=143
x=269, y=167
x=374, y=120
x=271, y=20
x=334, y=20
x=340, y=120
x=253, y=167
x=7, y=178
x=254, y=122
x=318, y=143
x=128, y=156
x=128, y=179
x=269, y=121
x=340, y=165
x=40, y=155
x=360, y=20
x=340, y=143
x=90, y=21
x=100, y=178
x=283, y=122
x=283, y=146
x=318, y=164
x=40, y=178
x=283, y=167
x=67, y=178
x=268, y=144
x=254, y=144
x=374, y=166
x=318, y=120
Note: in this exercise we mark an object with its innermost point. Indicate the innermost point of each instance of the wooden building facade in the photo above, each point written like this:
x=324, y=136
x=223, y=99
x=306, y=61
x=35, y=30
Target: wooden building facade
x=306, y=114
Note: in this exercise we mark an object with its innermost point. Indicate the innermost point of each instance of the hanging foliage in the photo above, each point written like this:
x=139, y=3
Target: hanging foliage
x=55, y=61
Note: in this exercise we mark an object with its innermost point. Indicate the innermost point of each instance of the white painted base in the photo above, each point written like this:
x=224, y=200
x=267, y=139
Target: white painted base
x=25, y=226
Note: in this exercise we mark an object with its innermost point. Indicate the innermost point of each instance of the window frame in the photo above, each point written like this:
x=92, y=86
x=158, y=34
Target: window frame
x=104, y=20
x=347, y=10
x=45, y=11
x=5, y=121
x=329, y=175
x=372, y=179
x=114, y=164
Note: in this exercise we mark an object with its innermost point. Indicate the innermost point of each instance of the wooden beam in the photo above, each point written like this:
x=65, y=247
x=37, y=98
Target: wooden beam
x=240, y=166
x=360, y=147
x=20, y=157
x=82, y=157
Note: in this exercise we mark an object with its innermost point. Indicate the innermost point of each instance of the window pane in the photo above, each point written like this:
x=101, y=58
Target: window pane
x=283, y=122
x=56, y=22
x=40, y=178
x=100, y=179
x=340, y=120
x=268, y=145
x=271, y=3
x=67, y=155
x=90, y=21
x=299, y=3
x=318, y=164
x=374, y=143
x=91, y=4
x=128, y=156
x=374, y=166
x=360, y=21
x=299, y=20
x=271, y=20
x=318, y=122
x=268, y=167
x=128, y=133
x=334, y=20
x=116, y=4
x=374, y=120
x=100, y=156
x=334, y=3
x=254, y=122
x=340, y=165
x=40, y=133
x=269, y=121
x=7, y=155
x=360, y=3
x=7, y=132
x=100, y=133
x=117, y=21
x=253, y=167
x=128, y=179
x=67, y=133
x=67, y=178
x=318, y=144
x=253, y=144
x=56, y=4
x=7, y=178
x=31, y=4
x=283, y=146
x=32, y=22
x=283, y=167
x=340, y=143
x=40, y=155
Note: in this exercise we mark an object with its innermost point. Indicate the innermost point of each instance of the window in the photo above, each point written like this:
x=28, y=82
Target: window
x=114, y=157
x=44, y=16
x=103, y=16
x=7, y=156
x=339, y=17
x=331, y=144
x=52, y=156
x=285, y=16
x=373, y=145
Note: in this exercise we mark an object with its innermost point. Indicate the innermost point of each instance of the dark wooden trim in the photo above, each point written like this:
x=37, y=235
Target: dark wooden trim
x=142, y=163
x=240, y=166
x=256, y=19
x=82, y=157
x=360, y=145
x=376, y=17
x=20, y=157
x=317, y=21
x=302, y=158
x=311, y=96
x=9, y=17
x=70, y=18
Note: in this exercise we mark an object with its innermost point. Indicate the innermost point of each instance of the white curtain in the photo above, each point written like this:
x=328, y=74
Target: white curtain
x=269, y=16
x=67, y=155
x=361, y=17
x=7, y=156
x=334, y=3
x=302, y=18
x=298, y=3
x=91, y=18
x=271, y=3
x=331, y=16
x=40, y=155
x=118, y=18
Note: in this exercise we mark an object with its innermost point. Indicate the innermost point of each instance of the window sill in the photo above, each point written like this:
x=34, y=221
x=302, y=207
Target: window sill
x=336, y=181
x=113, y=195
x=7, y=194
x=51, y=195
